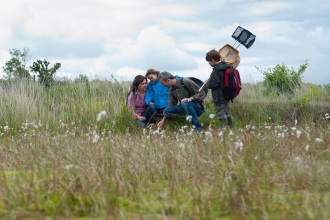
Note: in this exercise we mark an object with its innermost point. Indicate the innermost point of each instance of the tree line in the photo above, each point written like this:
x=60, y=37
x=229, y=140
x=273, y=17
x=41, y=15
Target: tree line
x=41, y=71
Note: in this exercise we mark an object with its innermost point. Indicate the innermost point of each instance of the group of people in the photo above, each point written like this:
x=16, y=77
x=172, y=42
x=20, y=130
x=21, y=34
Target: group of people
x=167, y=95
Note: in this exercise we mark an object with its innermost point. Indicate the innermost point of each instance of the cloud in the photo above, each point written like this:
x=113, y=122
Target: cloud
x=153, y=49
x=58, y=47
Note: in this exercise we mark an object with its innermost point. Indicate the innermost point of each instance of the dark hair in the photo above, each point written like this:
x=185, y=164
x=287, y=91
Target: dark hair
x=165, y=75
x=152, y=71
x=136, y=82
x=212, y=54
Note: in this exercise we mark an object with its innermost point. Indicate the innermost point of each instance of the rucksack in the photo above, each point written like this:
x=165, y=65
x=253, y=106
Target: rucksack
x=195, y=80
x=232, y=84
x=135, y=96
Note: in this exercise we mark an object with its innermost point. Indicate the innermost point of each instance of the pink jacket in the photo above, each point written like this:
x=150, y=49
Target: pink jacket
x=139, y=106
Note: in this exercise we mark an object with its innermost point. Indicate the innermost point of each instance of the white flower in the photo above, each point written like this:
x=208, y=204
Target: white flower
x=188, y=118
x=307, y=147
x=101, y=115
x=239, y=145
x=298, y=133
x=6, y=128
x=220, y=134
x=318, y=140
x=68, y=167
x=182, y=146
x=211, y=116
x=207, y=133
x=295, y=122
x=95, y=139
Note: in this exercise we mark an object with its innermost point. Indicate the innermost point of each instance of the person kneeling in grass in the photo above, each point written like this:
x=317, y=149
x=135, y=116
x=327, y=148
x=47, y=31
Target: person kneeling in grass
x=189, y=103
x=157, y=94
x=136, y=102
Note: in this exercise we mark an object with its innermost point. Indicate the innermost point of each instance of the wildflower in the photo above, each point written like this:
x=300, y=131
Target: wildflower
x=207, y=133
x=295, y=122
x=5, y=128
x=101, y=115
x=298, y=133
x=158, y=131
x=68, y=167
x=307, y=147
x=211, y=116
x=182, y=146
x=318, y=140
x=220, y=134
x=188, y=118
x=95, y=139
x=239, y=145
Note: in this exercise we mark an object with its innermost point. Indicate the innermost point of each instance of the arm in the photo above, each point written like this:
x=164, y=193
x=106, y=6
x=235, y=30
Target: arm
x=214, y=81
x=194, y=88
x=149, y=95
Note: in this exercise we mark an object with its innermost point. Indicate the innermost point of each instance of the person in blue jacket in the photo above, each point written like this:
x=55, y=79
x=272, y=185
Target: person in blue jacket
x=156, y=94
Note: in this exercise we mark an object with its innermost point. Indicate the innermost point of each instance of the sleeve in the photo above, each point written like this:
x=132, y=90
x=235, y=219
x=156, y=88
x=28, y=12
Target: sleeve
x=149, y=95
x=214, y=81
x=194, y=88
x=172, y=100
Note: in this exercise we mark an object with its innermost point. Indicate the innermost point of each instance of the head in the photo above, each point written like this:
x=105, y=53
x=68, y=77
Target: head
x=139, y=83
x=212, y=57
x=152, y=75
x=166, y=79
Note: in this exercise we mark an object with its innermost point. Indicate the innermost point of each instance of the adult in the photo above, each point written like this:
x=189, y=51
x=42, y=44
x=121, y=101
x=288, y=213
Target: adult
x=182, y=98
x=136, y=102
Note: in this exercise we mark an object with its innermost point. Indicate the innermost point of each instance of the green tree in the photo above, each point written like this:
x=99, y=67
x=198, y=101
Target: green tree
x=45, y=75
x=283, y=79
x=16, y=66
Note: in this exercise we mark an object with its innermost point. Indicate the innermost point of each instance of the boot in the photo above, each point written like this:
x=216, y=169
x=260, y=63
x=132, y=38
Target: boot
x=226, y=122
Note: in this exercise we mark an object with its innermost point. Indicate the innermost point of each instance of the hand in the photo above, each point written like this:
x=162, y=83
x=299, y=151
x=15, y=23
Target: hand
x=160, y=124
x=186, y=99
x=151, y=103
x=140, y=118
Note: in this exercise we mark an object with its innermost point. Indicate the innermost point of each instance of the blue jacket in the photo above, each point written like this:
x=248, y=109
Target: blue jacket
x=157, y=93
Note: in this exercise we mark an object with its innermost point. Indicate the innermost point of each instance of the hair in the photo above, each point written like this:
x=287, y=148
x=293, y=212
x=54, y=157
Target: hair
x=136, y=82
x=152, y=71
x=212, y=54
x=165, y=75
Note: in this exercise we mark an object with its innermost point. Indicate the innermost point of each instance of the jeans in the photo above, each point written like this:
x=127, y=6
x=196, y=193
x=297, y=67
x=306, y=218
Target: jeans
x=148, y=114
x=189, y=109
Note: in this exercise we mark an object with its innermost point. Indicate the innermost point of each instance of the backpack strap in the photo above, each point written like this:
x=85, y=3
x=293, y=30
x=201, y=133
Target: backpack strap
x=185, y=87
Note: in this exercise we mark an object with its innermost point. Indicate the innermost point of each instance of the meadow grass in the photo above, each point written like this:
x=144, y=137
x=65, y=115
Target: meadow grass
x=59, y=162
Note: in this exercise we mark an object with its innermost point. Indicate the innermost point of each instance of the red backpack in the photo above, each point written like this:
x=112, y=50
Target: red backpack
x=232, y=84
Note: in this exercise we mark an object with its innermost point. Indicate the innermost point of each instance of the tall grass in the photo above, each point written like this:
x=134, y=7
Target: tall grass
x=58, y=162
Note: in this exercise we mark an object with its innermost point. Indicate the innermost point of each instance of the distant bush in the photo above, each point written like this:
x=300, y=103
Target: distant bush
x=282, y=79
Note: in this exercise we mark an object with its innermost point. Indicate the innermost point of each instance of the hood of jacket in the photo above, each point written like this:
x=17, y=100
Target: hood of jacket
x=221, y=66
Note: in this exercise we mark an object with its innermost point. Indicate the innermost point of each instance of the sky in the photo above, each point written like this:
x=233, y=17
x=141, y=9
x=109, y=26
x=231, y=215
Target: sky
x=107, y=39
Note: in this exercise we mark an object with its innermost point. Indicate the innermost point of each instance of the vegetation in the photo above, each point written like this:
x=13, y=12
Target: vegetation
x=45, y=75
x=282, y=79
x=58, y=161
x=16, y=66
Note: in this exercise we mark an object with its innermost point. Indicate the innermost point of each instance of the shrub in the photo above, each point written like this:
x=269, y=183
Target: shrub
x=282, y=79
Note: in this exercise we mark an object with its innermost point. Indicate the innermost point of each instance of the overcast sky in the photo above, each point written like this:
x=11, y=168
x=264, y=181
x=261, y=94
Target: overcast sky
x=123, y=38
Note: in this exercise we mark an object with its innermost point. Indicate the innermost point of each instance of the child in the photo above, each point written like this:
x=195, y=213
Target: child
x=215, y=83
x=156, y=94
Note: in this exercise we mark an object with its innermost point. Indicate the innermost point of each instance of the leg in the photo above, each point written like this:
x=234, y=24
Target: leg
x=150, y=113
x=192, y=109
x=222, y=111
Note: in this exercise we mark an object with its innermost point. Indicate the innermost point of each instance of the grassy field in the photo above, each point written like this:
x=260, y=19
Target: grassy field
x=58, y=162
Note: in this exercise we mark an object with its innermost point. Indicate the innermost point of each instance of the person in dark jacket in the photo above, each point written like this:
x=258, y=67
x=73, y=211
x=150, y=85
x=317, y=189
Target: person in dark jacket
x=215, y=83
x=183, y=100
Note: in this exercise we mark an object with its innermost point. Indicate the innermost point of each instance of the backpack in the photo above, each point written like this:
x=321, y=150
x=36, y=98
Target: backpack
x=135, y=96
x=232, y=84
x=195, y=80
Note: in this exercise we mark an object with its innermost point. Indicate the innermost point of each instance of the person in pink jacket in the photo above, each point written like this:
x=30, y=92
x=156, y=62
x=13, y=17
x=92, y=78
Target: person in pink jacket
x=136, y=101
